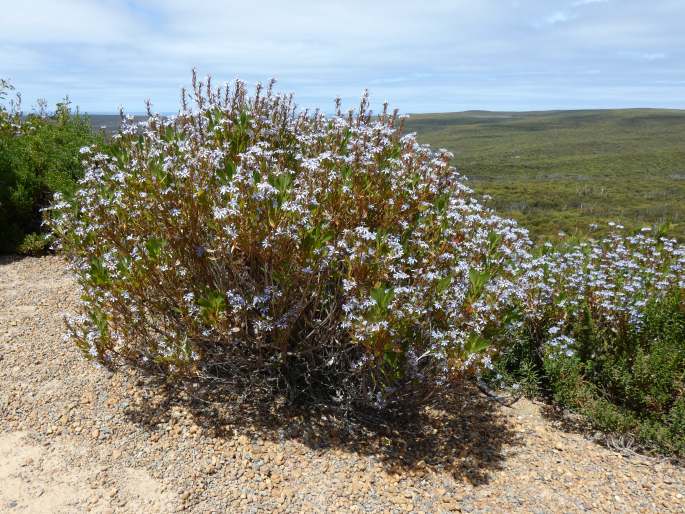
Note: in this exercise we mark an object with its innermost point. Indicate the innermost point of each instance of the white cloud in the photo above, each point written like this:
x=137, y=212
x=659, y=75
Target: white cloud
x=558, y=17
x=67, y=21
x=646, y=56
x=580, y=3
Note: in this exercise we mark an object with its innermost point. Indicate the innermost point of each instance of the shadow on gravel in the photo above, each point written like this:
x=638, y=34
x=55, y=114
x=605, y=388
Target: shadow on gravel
x=6, y=260
x=462, y=433
x=565, y=420
x=624, y=443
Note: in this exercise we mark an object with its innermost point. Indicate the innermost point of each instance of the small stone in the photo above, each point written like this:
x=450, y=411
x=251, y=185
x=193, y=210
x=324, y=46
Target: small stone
x=95, y=433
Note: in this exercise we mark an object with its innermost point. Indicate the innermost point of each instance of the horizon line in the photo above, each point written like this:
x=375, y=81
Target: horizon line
x=512, y=111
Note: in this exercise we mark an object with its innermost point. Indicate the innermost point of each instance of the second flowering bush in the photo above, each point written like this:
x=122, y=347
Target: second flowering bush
x=603, y=332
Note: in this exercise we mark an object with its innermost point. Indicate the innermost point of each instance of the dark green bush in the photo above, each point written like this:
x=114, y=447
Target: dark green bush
x=39, y=155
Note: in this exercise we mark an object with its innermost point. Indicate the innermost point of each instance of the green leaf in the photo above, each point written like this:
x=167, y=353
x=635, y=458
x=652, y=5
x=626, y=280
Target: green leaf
x=475, y=344
x=346, y=139
x=99, y=319
x=228, y=171
x=382, y=296
x=154, y=247
x=244, y=119
x=346, y=173
x=212, y=303
x=282, y=184
x=157, y=168
x=392, y=364
x=441, y=202
x=443, y=284
x=124, y=265
x=477, y=280
x=98, y=273
x=170, y=133
x=187, y=349
x=316, y=238
x=494, y=240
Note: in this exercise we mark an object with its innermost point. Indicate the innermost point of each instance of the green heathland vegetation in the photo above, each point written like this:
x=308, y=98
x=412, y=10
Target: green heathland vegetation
x=563, y=170
x=39, y=155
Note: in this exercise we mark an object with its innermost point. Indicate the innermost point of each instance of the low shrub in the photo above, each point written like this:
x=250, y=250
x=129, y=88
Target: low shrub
x=328, y=258
x=635, y=383
x=603, y=332
x=39, y=155
x=34, y=244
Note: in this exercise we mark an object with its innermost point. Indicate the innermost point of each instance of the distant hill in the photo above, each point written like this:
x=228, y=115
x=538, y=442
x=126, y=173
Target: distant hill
x=108, y=122
x=562, y=170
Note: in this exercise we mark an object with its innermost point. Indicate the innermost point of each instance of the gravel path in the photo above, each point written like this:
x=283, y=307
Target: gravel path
x=74, y=438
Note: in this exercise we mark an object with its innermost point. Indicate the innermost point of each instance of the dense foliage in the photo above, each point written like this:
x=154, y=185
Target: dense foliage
x=603, y=332
x=281, y=251
x=38, y=156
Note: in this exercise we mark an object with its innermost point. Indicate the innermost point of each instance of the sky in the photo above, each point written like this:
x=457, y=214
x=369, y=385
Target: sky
x=421, y=56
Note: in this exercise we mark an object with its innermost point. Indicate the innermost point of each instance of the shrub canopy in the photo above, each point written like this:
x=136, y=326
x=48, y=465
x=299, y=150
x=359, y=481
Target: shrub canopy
x=603, y=332
x=39, y=155
x=277, y=250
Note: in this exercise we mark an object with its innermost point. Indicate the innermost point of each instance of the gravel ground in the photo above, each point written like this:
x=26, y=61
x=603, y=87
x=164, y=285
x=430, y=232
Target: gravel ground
x=74, y=438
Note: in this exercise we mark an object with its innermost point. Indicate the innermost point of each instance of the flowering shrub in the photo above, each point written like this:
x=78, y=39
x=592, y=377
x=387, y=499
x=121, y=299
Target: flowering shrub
x=603, y=330
x=599, y=287
x=245, y=242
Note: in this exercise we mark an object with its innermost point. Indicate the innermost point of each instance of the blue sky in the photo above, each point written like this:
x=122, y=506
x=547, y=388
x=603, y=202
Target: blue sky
x=422, y=56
